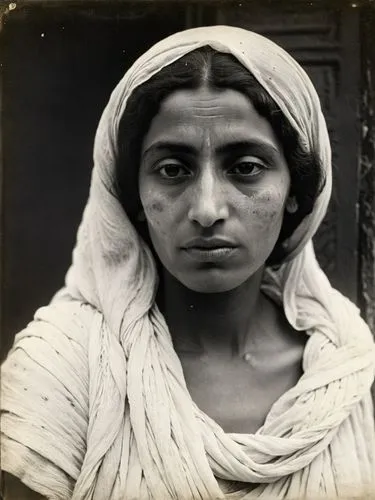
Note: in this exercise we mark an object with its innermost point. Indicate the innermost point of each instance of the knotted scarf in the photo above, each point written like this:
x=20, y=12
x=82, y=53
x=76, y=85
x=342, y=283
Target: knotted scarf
x=94, y=401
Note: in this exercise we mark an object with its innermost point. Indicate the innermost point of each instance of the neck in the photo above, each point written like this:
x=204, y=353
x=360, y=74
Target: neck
x=206, y=323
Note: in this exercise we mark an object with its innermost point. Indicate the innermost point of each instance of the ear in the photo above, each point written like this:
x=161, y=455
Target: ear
x=291, y=205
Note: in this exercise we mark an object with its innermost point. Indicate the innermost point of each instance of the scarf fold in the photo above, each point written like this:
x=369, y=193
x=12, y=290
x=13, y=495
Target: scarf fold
x=134, y=431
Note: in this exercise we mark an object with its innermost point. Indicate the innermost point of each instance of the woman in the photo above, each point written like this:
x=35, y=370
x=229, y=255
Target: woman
x=197, y=349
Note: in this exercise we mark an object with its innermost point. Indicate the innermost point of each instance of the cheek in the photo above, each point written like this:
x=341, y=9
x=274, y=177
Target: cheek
x=155, y=207
x=152, y=203
x=159, y=218
x=266, y=208
x=156, y=212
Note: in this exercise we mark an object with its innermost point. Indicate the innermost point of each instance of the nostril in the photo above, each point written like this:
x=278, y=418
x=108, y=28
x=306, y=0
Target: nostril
x=207, y=214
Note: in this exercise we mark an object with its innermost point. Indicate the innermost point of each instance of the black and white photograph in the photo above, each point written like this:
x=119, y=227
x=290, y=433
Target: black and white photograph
x=187, y=250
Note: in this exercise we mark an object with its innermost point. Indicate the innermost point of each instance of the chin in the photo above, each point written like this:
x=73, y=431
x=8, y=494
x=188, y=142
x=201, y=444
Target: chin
x=213, y=281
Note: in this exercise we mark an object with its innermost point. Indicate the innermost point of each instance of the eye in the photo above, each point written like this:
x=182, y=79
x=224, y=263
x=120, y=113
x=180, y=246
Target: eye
x=172, y=170
x=247, y=167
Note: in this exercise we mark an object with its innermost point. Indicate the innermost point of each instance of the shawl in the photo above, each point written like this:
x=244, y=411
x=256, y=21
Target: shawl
x=94, y=401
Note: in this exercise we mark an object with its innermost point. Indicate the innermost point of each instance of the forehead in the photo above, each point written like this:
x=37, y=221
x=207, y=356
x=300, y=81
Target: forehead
x=205, y=101
x=220, y=114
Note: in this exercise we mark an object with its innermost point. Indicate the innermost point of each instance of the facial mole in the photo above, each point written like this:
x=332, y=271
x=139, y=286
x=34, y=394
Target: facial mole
x=157, y=206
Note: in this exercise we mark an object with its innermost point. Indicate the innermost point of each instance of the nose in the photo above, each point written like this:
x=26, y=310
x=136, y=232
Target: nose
x=208, y=203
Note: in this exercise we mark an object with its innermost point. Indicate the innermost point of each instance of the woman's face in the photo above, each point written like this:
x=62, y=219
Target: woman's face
x=213, y=184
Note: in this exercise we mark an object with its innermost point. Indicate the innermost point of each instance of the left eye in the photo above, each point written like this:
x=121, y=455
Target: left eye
x=246, y=168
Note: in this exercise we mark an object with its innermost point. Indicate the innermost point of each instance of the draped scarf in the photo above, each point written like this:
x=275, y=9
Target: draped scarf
x=133, y=430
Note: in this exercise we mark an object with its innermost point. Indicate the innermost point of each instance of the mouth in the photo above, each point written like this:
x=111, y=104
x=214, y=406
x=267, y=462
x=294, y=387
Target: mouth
x=210, y=249
x=210, y=254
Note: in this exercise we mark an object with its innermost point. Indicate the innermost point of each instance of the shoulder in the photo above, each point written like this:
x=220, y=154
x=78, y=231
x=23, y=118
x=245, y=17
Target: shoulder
x=53, y=349
x=45, y=388
x=61, y=321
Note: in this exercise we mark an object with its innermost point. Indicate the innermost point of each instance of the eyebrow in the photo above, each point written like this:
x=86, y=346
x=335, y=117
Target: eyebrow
x=176, y=147
x=238, y=145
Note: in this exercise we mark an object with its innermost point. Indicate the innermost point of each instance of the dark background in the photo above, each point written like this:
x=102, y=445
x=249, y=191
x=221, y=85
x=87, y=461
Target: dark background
x=59, y=68
x=59, y=63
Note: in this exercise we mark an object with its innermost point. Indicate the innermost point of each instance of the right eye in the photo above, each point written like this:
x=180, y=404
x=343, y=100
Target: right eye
x=173, y=171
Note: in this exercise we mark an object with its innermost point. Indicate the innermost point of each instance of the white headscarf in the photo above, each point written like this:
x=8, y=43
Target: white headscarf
x=146, y=438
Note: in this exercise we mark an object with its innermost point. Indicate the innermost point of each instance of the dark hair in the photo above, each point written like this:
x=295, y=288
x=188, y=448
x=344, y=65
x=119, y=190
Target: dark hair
x=217, y=70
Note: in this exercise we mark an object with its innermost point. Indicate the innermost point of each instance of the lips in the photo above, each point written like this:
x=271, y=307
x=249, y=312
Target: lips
x=209, y=243
x=209, y=249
